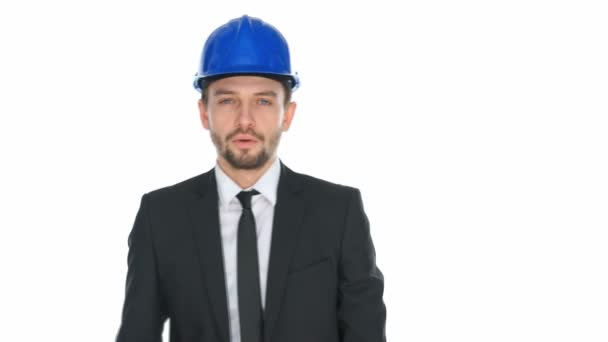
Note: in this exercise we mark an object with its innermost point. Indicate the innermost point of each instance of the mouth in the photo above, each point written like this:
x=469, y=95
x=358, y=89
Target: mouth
x=244, y=142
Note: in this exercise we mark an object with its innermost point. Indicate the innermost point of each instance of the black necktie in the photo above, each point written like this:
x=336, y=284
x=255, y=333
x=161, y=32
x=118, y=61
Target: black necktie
x=248, y=274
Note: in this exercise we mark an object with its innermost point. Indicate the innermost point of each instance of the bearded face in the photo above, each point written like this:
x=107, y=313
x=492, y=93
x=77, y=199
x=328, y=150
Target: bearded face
x=245, y=116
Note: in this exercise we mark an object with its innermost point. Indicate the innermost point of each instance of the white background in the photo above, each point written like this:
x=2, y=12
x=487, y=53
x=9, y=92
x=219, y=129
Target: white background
x=476, y=131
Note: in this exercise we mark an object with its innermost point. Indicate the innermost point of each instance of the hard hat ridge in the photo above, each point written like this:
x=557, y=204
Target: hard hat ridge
x=245, y=46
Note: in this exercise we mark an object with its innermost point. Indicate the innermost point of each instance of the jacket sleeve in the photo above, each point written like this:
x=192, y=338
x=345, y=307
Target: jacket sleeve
x=143, y=315
x=361, y=310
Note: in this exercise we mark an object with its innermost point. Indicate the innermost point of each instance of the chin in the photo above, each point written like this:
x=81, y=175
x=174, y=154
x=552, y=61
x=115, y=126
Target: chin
x=245, y=159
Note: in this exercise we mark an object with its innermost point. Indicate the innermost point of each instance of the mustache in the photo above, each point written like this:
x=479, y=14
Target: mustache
x=250, y=131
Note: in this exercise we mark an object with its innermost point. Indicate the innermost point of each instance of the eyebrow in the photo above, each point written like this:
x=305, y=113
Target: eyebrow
x=223, y=92
x=230, y=92
x=266, y=93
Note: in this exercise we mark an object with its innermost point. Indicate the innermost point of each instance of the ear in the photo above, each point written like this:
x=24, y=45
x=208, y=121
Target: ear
x=203, y=114
x=290, y=111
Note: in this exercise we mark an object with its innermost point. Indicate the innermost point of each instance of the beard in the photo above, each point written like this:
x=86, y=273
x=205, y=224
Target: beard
x=246, y=159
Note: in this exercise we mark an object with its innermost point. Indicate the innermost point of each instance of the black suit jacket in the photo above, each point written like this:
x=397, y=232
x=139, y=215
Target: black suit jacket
x=323, y=283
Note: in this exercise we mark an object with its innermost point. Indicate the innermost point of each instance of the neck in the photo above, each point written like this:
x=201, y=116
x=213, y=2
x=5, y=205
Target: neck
x=244, y=178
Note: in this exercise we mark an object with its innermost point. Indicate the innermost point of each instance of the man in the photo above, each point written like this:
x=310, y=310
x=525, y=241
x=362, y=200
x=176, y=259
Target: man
x=251, y=251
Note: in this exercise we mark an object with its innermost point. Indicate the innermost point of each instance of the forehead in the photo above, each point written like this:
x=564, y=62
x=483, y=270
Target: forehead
x=245, y=84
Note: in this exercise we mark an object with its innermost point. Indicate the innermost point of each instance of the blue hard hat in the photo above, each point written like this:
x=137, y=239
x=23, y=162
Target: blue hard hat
x=245, y=46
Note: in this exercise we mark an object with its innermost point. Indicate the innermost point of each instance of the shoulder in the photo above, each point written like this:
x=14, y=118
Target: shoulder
x=182, y=190
x=321, y=188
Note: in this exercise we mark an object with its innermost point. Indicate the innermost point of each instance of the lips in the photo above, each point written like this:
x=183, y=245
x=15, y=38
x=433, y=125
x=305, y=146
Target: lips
x=244, y=141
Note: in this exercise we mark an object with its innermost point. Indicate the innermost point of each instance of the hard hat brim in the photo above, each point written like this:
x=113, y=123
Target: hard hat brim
x=201, y=82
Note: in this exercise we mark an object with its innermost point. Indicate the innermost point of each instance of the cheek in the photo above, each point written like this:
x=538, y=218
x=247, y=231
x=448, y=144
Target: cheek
x=270, y=121
x=217, y=123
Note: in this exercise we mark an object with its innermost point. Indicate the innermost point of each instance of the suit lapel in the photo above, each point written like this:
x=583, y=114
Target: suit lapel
x=206, y=228
x=288, y=214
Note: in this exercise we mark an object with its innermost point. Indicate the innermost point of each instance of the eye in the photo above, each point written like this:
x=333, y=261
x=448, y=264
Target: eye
x=226, y=101
x=264, y=102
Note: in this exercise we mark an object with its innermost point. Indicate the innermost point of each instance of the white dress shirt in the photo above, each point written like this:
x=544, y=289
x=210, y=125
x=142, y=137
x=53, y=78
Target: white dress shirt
x=230, y=210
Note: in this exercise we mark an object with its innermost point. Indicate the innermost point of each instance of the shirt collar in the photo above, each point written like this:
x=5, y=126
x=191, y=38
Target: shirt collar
x=267, y=185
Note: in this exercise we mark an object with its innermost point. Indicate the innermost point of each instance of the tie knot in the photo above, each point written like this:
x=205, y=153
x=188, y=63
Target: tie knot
x=245, y=198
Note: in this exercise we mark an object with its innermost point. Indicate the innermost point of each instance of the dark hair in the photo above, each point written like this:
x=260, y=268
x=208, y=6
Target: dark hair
x=285, y=82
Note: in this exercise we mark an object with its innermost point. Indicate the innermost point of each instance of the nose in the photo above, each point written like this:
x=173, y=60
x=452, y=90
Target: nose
x=245, y=117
